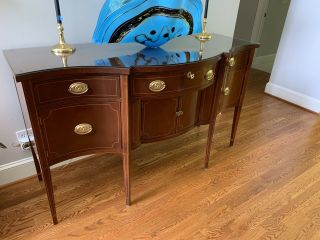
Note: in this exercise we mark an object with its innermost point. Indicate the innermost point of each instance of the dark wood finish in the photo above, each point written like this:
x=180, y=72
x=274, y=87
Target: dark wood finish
x=62, y=142
x=159, y=118
x=126, y=146
x=239, y=103
x=36, y=162
x=178, y=79
x=214, y=110
x=236, y=78
x=188, y=106
x=265, y=187
x=120, y=107
x=57, y=89
x=135, y=124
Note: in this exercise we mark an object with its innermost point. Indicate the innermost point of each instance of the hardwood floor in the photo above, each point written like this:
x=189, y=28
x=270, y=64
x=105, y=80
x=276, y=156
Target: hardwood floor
x=265, y=187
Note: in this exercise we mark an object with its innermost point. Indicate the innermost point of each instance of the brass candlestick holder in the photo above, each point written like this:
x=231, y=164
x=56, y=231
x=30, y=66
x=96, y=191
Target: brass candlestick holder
x=62, y=48
x=204, y=36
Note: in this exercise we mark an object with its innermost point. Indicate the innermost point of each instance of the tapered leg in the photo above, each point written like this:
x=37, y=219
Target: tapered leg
x=49, y=189
x=236, y=117
x=126, y=146
x=126, y=172
x=36, y=163
x=209, y=144
x=214, y=110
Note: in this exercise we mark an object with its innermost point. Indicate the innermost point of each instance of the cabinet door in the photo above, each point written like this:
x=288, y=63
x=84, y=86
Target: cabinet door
x=73, y=130
x=159, y=118
x=206, y=102
x=187, y=113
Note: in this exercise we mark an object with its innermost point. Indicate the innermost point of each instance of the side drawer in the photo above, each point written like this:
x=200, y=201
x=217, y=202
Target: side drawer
x=104, y=86
x=72, y=130
x=234, y=78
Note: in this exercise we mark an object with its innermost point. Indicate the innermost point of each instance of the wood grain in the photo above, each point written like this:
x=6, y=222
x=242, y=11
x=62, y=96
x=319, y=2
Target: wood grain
x=265, y=187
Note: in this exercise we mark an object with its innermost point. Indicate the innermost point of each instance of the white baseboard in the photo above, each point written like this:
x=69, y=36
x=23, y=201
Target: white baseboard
x=294, y=97
x=24, y=168
x=264, y=63
x=16, y=170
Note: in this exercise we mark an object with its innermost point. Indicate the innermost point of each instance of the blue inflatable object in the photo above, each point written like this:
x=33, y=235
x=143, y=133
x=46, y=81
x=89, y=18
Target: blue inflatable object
x=149, y=22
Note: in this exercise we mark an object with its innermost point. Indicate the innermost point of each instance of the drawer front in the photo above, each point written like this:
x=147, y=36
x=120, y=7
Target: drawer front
x=238, y=60
x=75, y=129
x=89, y=87
x=232, y=88
x=161, y=83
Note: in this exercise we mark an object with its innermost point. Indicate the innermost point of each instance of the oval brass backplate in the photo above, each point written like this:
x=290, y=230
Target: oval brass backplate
x=157, y=86
x=83, y=129
x=226, y=91
x=210, y=75
x=232, y=62
x=78, y=88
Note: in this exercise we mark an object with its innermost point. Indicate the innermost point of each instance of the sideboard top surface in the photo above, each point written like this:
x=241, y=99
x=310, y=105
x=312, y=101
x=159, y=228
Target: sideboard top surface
x=182, y=50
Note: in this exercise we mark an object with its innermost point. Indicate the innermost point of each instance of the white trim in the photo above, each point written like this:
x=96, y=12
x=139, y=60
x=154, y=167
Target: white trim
x=294, y=97
x=16, y=170
x=259, y=20
x=264, y=63
x=15, y=163
x=24, y=168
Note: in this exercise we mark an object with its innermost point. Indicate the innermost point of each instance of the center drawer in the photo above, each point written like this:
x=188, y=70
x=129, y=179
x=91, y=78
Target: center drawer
x=167, y=82
x=76, y=129
x=98, y=86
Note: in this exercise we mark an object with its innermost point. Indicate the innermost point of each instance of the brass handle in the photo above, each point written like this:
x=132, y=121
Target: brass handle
x=190, y=75
x=180, y=113
x=232, y=62
x=210, y=75
x=226, y=91
x=157, y=86
x=78, y=88
x=83, y=129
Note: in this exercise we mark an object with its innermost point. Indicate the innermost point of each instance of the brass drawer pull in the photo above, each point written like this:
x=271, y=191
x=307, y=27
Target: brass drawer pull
x=78, y=88
x=210, y=75
x=157, y=86
x=190, y=75
x=226, y=91
x=180, y=113
x=83, y=129
x=232, y=62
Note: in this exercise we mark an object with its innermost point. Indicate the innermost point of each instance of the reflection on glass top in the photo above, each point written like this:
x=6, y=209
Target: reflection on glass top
x=178, y=51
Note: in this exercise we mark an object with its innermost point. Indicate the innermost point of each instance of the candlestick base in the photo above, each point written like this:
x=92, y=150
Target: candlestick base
x=62, y=48
x=204, y=36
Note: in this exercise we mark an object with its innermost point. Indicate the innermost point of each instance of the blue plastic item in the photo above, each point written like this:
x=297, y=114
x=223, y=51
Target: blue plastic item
x=149, y=22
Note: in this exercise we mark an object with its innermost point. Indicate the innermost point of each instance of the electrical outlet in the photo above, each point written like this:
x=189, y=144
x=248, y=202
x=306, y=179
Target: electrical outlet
x=22, y=136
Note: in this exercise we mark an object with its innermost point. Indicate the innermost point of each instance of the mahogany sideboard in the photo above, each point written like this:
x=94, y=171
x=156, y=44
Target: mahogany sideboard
x=112, y=98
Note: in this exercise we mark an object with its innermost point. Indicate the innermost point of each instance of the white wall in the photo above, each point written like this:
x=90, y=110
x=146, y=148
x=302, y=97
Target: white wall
x=222, y=16
x=295, y=76
x=246, y=19
x=273, y=27
x=30, y=23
